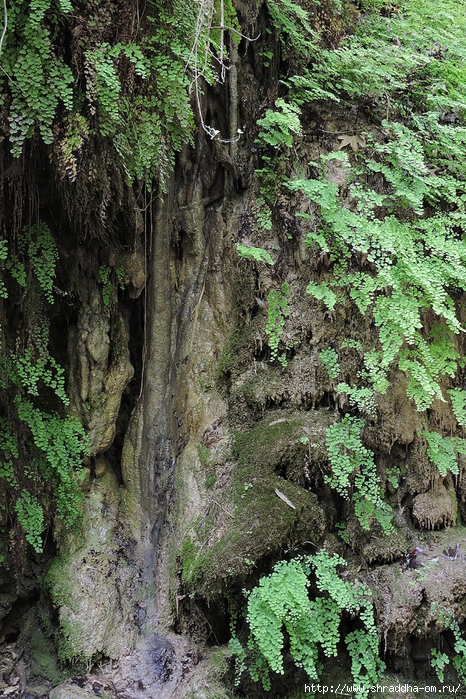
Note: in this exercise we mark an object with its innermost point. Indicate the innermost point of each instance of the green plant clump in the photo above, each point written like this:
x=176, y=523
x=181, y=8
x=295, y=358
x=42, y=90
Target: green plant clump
x=136, y=94
x=280, y=610
x=353, y=470
x=41, y=448
x=394, y=232
x=277, y=314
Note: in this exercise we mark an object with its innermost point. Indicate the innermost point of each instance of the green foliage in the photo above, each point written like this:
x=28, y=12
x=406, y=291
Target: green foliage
x=41, y=450
x=138, y=93
x=393, y=475
x=280, y=608
x=154, y=119
x=277, y=313
x=31, y=517
x=292, y=22
x=438, y=661
x=361, y=398
x=414, y=273
x=252, y=253
x=32, y=374
x=39, y=79
x=264, y=216
x=111, y=280
x=353, y=468
x=9, y=453
x=239, y=654
x=329, y=359
x=61, y=443
x=409, y=271
x=459, y=645
x=342, y=530
x=408, y=227
x=443, y=451
x=278, y=127
x=39, y=246
x=108, y=289
x=458, y=403
x=323, y=292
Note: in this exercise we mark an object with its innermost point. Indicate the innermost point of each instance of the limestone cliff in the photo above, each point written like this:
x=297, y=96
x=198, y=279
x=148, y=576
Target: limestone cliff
x=207, y=456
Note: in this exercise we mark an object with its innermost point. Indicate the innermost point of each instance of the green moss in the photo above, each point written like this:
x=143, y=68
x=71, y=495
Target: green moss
x=204, y=455
x=188, y=558
x=261, y=522
x=278, y=445
x=265, y=445
x=56, y=581
x=255, y=394
x=58, y=585
x=375, y=545
x=238, y=351
x=43, y=659
x=214, y=679
x=206, y=463
x=210, y=480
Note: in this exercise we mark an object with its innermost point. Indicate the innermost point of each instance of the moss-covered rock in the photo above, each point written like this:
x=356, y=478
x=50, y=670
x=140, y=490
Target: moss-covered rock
x=211, y=679
x=416, y=598
x=265, y=512
x=95, y=587
x=436, y=508
x=41, y=653
x=375, y=545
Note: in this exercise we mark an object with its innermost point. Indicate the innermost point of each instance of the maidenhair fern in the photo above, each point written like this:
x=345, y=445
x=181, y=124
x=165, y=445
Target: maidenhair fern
x=252, y=253
x=458, y=402
x=38, y=78
x=394, y=235
x=146, y=110
x=281, y=604
x=292, y=23
x=329, y=359
x=41, y=451
x=354, y=474
x=279, y=125
x=277, y=313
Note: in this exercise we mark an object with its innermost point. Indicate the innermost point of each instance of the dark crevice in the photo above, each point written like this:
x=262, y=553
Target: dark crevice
x=13, y=622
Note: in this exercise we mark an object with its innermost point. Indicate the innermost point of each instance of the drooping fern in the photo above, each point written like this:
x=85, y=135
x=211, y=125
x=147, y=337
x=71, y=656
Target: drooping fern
x=41, y=448
x=281, y=604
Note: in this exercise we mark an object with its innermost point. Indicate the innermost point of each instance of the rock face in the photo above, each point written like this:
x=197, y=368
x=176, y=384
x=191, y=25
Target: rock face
x=100, y=372
x=97, y=586
x=437, y=508
x=208, y=456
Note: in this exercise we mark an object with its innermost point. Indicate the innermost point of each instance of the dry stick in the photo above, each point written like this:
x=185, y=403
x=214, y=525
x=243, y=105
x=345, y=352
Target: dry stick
x=222, y=36
x=5, y=25
x=2, y=38
x=243, y=36
x=196, y=313
x=222, y=508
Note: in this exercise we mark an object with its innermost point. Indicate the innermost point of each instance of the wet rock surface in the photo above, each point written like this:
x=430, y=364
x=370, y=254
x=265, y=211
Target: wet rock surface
x=416, y=596
x=100, y=370
x=97, y=587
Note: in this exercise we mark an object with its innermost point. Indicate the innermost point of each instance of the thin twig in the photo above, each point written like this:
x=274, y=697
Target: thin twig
x=5, y=25
x=243, y=36
x=222, y=38
x=222, y=508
